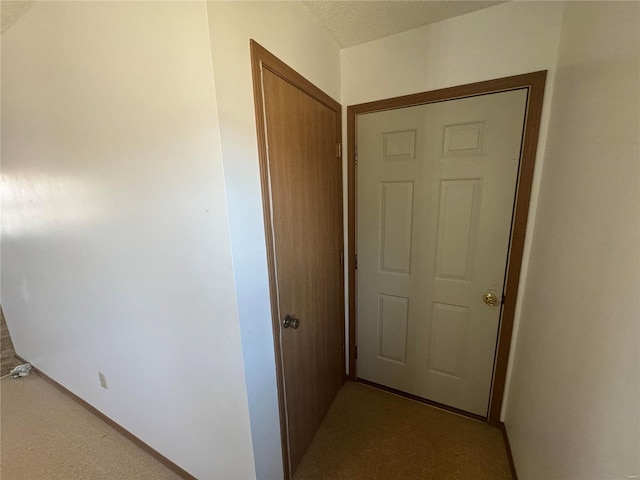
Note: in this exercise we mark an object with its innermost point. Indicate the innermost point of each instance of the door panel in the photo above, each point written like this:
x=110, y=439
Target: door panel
x=396, y=214
x=306, y=202
x=436, y=186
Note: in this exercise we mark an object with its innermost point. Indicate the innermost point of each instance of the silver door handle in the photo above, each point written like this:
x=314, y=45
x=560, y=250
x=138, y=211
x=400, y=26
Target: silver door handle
x=291, y=321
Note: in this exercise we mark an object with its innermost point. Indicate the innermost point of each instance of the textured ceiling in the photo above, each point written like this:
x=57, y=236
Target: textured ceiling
x=350, y=22
x=355, y=22
x=10, y=11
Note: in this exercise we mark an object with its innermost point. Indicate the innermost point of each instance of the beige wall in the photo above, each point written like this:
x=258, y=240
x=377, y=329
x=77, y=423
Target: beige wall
x=507, y=39
x=133, y=204
x=574, y=407
x=116, y=252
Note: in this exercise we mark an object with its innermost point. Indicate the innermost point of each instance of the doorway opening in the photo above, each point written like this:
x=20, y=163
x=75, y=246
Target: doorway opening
x=395, y=149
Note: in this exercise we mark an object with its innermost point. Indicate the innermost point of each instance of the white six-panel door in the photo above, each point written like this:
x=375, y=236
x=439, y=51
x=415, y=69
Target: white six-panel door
x=436, y=187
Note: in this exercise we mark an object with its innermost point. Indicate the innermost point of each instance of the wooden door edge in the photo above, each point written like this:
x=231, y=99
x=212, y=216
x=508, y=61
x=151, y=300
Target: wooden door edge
x=535, y=83
x=507, y=445
x=262, y=58
x=256, y=73
x=351, y=237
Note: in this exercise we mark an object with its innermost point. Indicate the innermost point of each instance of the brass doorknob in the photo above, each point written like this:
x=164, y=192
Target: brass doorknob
x=291, y=322
x=490, y=299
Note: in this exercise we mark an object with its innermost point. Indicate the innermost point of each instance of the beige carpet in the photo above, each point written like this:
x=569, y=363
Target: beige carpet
x=44, y=435
x=367, y=434
x=371, y=434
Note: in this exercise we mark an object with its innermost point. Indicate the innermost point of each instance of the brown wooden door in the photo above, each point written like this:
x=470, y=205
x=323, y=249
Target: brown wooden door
x=304, y=182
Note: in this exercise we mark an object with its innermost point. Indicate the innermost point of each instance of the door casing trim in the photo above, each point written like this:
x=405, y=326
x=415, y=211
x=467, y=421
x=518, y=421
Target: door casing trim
x=262, y=58
x=535, y=83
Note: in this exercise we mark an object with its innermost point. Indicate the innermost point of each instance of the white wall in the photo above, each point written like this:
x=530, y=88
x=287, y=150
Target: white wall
x=508, y=39
x=116, y=252
x=574, y=409
x=289, y=32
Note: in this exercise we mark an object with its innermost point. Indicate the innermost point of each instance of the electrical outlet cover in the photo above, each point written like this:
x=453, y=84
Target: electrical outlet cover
x=103, y=380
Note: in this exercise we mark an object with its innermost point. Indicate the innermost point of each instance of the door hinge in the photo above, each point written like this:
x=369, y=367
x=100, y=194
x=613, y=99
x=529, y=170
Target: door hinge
x=341, y=258
x=356, y=154
x=356, y=352
x=339, y=150
x=356, y=260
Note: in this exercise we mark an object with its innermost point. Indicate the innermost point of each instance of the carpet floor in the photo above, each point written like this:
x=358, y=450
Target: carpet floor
x=374, y=435
x=367, y=434
x=45, y=435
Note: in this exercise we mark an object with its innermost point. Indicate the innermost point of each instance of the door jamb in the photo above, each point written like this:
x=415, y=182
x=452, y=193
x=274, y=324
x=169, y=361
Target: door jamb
x=535, y=83
x=261, y=58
